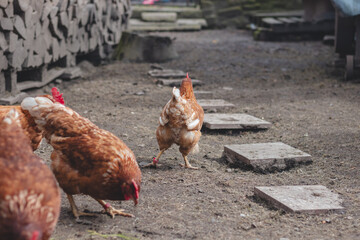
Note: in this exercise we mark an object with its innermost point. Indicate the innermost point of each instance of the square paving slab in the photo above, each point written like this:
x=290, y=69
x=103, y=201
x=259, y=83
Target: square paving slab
x=214, y=103
x=313, y=199
x=266, y=157
x=177, y=82
x=234, y=121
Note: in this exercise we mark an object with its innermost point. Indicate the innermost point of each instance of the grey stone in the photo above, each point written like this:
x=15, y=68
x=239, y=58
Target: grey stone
x=266, y=157
x=167, y=73
x=214, y=103
x=234, y=121
x=313, y=199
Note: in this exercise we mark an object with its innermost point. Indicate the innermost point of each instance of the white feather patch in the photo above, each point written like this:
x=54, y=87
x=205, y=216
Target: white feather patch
x=43, y=101
x=161, y=121
x=7, y=120
x=193, y=124
x=28, y=103
x=176, y=93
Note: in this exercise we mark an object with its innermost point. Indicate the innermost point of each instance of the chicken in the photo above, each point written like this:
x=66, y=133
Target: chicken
x=27, y=122
x=180, y=123
x=29, y=195
x=86, y=159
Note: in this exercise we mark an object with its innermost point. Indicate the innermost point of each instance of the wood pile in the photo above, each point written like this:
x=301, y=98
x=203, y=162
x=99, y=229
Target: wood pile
x=34, y=33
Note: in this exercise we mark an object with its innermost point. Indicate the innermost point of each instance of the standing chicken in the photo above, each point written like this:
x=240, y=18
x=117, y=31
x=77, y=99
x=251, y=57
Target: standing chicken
x=29, y=195
x=27, y=122
x=180, y=122
x=86, y=159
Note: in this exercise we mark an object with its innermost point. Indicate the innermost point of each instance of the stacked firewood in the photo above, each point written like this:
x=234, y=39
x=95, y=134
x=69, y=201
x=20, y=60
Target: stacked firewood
x=37, y=32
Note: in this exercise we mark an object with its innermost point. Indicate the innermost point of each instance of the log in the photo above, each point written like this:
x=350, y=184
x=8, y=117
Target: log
x=9, y=10
x=64, y=21
x=3, y=43
x=27, y=17
x=21, y=5
x=55, y=49
x=63, y=5
x=17, y=58
x=6, y=24
x=3, y=3
x=20, y=26
x=12, y=39
x=3, y=61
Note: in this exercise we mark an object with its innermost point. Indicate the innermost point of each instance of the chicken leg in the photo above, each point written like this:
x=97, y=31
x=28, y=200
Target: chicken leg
x=75, y=210
x=187, y=164
x=112, y=211
x=155, y=160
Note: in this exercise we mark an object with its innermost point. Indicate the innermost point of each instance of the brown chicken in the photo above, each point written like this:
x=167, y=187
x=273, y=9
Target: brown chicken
x=180, y=123
x=86, y=159
x=27, y=122
x=29, y=195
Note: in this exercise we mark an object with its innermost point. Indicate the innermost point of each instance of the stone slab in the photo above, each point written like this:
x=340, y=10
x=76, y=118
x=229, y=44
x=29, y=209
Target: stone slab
x=266, y=157
x=312, y=199
x=167, y=73
x=203, y=94
x=214, y=103
x=234, y=121
x=177, y=82
x=159, y=16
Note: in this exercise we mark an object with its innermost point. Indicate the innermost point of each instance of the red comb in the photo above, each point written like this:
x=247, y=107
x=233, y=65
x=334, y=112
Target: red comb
x=35, y=235
x=136, y=189
x=155, y=161
x=187, y=75
x=57, y=95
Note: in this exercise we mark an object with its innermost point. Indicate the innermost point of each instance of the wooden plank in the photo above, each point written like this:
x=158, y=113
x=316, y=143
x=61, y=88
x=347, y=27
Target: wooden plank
x=177, y=82
x=270, y=21
x=287, y=20
x=48, y=76
x=159, y=16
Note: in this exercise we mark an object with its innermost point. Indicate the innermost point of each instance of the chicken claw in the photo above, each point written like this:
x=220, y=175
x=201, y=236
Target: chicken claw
x=75, y=210
x=152, y=164
x=187, y=164
x=112, y=211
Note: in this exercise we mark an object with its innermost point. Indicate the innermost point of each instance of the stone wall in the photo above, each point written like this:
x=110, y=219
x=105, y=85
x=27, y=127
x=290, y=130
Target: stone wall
x=233, y=13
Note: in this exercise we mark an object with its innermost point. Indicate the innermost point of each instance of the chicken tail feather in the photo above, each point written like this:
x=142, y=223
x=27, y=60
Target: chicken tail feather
x=11, y=117
x=35, y=106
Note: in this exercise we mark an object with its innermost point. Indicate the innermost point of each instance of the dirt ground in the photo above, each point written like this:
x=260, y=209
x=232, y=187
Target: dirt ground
x=291, y=85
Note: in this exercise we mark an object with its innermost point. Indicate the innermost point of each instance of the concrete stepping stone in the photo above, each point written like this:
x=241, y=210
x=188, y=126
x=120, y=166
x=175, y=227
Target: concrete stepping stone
x=214, y=103
x=234, y=121
x=203, y=94
x=167, y=73
x=177, y=82
x=313, y=199
x=266, y=157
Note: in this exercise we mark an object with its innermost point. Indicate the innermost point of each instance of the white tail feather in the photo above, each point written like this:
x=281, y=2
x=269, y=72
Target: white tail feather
x=12, y=116
x=35, y=106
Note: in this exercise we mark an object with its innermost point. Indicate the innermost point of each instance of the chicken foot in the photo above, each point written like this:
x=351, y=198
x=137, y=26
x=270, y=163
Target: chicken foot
x=112, y=211
x=187, y=164
x=155, y=160
x=75, y=210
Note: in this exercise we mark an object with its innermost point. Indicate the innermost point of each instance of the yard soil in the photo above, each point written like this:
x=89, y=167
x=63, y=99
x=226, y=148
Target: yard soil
x=291, y=84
